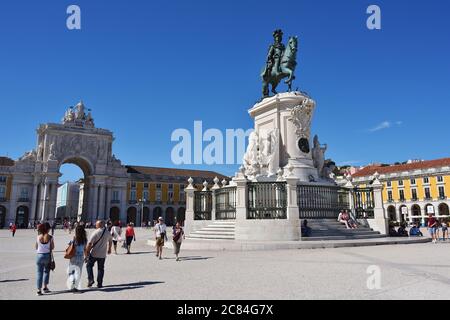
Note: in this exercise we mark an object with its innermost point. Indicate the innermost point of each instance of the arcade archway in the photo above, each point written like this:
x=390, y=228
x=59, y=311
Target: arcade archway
x=443, y=209
x=181, y=215
x=2, y=217
x=391, y=213
x=170, y=216
x=114, y=214
x=22, y=217
x=131, y=215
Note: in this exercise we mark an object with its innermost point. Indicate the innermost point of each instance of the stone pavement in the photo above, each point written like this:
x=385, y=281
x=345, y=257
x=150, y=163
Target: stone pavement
x=414, y=271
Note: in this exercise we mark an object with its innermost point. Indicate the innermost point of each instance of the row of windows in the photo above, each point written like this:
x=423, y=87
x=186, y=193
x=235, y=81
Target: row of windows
x=158, y=186
x=427, y=192
x=145, y=195
x=426, y=180
x=23, y=192
x=3, y=179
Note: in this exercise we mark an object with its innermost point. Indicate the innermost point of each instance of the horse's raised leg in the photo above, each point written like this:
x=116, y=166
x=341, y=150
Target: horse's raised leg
x=274, y=88
x=265, y=90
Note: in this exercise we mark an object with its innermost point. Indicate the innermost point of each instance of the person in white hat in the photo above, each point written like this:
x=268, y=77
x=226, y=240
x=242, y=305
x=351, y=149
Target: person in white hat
x=160, y=235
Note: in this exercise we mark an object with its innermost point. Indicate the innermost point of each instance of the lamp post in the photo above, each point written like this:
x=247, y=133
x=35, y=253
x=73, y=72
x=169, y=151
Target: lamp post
x=141, y=202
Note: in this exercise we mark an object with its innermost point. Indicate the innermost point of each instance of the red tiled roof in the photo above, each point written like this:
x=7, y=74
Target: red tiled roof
x=370, y=170
x=171, y=172
x=6, y=162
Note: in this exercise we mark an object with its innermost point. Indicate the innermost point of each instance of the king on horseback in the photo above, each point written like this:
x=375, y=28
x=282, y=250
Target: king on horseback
x=280, y=63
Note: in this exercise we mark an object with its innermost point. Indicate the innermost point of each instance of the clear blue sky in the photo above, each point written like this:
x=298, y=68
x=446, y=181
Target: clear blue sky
x=149, y=67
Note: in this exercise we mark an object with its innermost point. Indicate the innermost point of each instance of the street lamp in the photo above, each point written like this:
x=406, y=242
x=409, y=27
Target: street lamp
x=141, y=202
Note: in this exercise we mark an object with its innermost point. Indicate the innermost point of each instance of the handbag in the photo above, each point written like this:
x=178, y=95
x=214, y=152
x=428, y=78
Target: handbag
x=52, y=265
x=70, y=251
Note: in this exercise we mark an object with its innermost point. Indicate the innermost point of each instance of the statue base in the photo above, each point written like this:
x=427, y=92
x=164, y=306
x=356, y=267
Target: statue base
x=281, y=139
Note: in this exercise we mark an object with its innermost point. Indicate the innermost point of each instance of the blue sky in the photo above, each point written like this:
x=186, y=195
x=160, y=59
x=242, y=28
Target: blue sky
x=149, y=67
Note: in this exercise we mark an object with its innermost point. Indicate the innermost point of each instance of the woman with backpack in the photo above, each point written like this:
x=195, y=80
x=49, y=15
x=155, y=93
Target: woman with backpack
x=75, y=252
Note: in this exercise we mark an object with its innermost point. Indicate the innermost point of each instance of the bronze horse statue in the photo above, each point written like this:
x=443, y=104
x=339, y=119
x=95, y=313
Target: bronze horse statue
x=283, y=69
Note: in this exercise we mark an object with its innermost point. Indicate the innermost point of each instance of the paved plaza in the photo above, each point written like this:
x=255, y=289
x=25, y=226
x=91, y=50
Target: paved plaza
x=414, y=271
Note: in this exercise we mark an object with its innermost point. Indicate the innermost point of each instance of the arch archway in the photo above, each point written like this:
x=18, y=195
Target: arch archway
x=181, y=215
x=443, y=209
x=170, y=216
x=391, y=213
x=22, y=217
x=2, y=217
x=114, y=214
x=131, y=215
x=76, y=179
x=415, y=213
x=146, y=216
x=157, y=212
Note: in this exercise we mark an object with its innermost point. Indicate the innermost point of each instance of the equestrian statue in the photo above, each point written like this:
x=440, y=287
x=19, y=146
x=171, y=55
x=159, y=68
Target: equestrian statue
x=280, y=63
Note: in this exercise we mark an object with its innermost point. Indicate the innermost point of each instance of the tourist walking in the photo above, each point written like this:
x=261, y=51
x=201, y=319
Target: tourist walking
x=44, y=246
x=178, y=236
x=432, y=226
x=444, y=227
x=75, y=268
x=160, y=235
x=99, y=244
x=13, y=228
x=53, y=228
x=116, y=233
x=130, y=236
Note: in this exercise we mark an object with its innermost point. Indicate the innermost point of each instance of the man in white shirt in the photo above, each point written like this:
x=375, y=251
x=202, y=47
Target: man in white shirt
x=160, y=235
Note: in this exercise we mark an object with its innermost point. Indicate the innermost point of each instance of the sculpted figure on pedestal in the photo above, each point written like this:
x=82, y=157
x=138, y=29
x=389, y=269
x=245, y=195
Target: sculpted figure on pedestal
x=318, y=154
x=251, y=161
x=270, y=145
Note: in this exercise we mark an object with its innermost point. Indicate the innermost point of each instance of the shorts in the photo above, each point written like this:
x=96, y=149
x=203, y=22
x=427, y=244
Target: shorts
x=444, y=229
x=115, y=242
x=159, y=242
x=432, y=230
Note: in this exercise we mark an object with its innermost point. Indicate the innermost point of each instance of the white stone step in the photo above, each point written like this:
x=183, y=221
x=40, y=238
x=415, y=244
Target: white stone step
x=204, y=231
x=210, y=236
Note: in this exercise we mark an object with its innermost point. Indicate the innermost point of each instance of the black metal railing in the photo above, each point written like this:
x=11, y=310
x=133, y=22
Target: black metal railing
x=23, y=199
x=132, y=201
x=267, y=200
x=202, y=205
x=225, y=203
x=363, y=203
x=115, y=201
x=2, y=199
x=321, y=202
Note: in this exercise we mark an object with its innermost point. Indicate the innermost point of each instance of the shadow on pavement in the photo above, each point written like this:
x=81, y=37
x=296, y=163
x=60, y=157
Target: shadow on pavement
x=109, y=288
x=195, y=258
x=13, y=280
x=126, y=286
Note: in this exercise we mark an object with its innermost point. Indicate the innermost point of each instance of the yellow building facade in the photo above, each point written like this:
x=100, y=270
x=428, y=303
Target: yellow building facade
x=413, y=190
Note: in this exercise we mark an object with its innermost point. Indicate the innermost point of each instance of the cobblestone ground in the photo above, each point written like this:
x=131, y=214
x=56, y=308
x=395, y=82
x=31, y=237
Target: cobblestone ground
x=419, y=271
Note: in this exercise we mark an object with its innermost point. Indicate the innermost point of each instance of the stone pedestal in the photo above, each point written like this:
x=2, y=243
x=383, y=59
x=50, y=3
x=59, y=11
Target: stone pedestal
x=282, y=138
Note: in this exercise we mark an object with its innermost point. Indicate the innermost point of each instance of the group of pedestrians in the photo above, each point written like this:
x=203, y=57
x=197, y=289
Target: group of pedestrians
x=434, y=226
x=93, y=250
